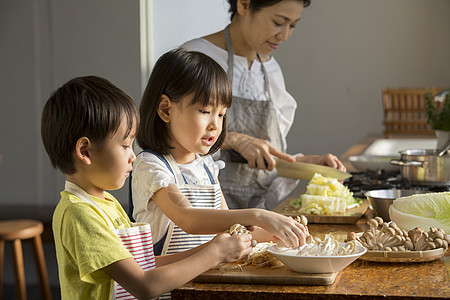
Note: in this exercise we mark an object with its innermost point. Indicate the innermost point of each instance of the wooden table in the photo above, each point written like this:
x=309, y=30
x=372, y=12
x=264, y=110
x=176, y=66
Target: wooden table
x=360, y=280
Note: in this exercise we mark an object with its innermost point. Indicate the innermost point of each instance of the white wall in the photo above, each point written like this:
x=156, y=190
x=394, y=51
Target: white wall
x=190, y=19
x=344, y=52
x=44, y=43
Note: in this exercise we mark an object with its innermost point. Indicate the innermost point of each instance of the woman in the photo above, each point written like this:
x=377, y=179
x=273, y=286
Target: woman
x=262, y=111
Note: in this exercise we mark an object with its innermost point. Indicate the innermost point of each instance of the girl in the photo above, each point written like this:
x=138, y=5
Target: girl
x=174, y=184
x=244, y=49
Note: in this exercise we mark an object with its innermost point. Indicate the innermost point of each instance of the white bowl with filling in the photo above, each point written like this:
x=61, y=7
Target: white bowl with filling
x=315, y=264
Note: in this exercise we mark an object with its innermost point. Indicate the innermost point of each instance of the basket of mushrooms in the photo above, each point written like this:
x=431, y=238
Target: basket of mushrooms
x=386, y=242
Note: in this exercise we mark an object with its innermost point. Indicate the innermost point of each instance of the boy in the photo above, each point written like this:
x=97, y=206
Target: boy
x=88, y=128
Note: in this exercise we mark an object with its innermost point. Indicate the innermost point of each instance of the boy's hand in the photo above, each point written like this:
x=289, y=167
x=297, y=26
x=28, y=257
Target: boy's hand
x=230, y=248
x=290, y=232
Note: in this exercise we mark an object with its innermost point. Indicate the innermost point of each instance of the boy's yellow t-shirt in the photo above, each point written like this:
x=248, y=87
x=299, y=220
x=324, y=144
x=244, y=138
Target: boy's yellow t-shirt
x=85, y=244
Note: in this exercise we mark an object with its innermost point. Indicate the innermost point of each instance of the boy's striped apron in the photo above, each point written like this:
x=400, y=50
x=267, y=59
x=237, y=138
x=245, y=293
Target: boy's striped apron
x=137, y=239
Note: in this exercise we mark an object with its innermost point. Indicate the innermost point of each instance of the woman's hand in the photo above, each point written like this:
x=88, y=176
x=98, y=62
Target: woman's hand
x=231, y=247
x=329, y=160
x=258, y=152
x=290, y=232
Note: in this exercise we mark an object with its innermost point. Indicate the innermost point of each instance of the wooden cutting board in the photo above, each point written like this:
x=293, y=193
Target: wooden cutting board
x=351, y=217
x=265, y=275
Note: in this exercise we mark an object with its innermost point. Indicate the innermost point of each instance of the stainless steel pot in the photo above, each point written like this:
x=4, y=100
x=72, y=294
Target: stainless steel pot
x=424, y=167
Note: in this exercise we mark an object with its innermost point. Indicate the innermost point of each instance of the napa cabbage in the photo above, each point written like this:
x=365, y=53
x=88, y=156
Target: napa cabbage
x=325, y=195
x=422, y=210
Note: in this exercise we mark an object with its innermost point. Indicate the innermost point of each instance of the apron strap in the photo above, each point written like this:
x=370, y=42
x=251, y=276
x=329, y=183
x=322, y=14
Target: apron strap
x=229, y=48
x=83, y=195
x=171, y=166
x=211, y=178
x=159, y=245
x=167, y=238
x=130, y=198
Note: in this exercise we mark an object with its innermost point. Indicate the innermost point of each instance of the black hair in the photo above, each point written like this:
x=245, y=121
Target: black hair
x=176, y=74
x=256, y=5
x=89, y=107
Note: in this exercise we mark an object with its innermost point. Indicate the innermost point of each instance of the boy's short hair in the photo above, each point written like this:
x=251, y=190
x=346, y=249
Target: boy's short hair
x=176, y=74
x=89, y=107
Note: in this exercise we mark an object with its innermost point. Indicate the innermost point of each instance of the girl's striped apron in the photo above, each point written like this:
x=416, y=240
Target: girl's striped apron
x=200, y=196
x=137, y=239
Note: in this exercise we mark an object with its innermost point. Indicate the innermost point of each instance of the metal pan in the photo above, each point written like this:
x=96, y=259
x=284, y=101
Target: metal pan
x=424, y=167
x=373, y=162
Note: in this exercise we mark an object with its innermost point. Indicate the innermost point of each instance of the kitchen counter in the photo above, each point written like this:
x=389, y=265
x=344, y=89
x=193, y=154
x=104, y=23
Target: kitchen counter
x=357, y=149
x=360, y=280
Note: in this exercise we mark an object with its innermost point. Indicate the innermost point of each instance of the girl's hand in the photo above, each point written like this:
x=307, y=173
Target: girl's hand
x=329, y=160
x=258, y=152
x=231, y=247
x=261, y=235
x=290, y=232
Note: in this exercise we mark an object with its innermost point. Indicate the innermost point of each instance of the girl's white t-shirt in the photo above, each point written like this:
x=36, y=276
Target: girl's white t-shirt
x=150, y=174
x=249, y=83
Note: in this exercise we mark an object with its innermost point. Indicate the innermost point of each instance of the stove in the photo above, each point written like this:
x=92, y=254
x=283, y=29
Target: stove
x=362, y=182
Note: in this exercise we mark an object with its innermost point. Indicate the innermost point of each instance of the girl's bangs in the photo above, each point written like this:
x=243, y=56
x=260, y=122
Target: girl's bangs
x=215, y=91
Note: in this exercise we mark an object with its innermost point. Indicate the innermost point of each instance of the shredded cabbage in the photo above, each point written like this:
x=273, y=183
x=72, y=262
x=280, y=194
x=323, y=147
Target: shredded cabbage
x=323, y=205
x=422, y=210
x=324, y=195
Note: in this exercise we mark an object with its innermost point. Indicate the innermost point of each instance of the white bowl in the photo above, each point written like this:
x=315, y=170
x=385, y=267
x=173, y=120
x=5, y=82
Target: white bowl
x=315, y=264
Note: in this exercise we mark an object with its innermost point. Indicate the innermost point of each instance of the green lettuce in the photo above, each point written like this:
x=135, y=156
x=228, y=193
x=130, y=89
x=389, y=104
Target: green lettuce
x=422, y=210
